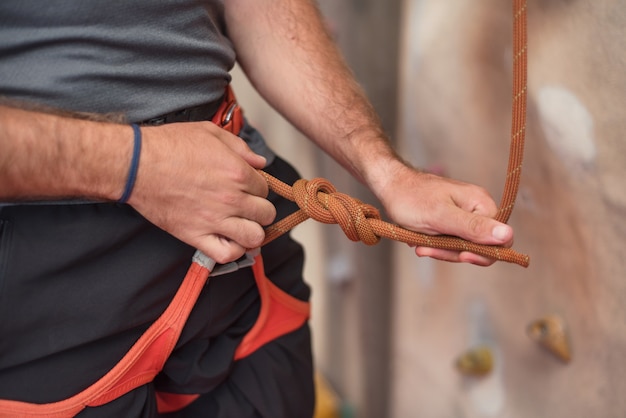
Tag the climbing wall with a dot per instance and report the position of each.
(570, 217)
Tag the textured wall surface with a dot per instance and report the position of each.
(570, 214)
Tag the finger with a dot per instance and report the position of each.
(479, 260)
(236, 180)
(258, 184)
(246, 233)
(266, 214)
(477, 228)
(252, 158)
(240, 147)
(443, 255)
(220, 248)
(453, 256)
(256, 209)
(481, 227)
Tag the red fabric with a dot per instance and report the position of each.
(172, 402)
(280, 314)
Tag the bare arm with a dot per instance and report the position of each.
(38, 162)
(195, 180)
(285, 50)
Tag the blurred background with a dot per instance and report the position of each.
(401, 337)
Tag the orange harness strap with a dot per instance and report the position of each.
(280, 314)
(142, 362)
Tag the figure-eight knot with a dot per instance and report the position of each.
(319, 200)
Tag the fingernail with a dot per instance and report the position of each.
(500, 232)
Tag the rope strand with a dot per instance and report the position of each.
(518, 113)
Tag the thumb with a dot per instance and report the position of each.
(479, 229)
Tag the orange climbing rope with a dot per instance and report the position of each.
(319, 200)
(518, 117)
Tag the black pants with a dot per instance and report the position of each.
(80, 283)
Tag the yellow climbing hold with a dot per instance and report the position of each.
(477, 361)
(550, 332)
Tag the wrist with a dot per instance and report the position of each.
(381, 168)
(134, 165)
(386, 174)
(95, 159)
(48, 156)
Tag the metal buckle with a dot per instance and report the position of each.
(228, 115)
(244, 261)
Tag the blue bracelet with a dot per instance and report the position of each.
(134, 165)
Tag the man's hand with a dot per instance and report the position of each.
(198, 182)
(435, 205)
(195, 180)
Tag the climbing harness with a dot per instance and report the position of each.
(281, 313)
(140, 364)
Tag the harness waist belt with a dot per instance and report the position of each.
(190, 114)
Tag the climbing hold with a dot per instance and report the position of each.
(477, 361)
(550, 333)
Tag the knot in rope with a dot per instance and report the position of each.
(319, 200)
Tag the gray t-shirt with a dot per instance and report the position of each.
(140, 58)
(136, 58)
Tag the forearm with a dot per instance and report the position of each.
(45, 156)
(286, 51)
